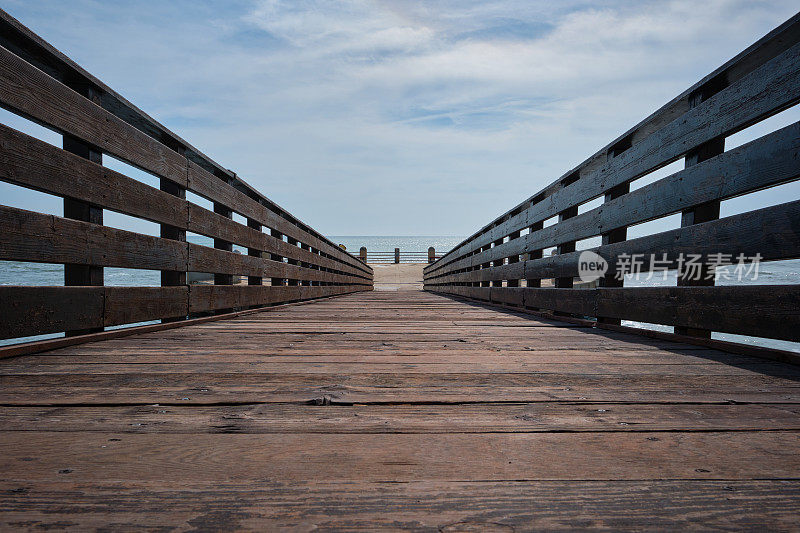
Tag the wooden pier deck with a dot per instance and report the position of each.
(398, 410)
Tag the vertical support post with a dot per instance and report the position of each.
(498, 262)
(534, 254)
(362, 254)
(486, 265)
(397, 255)
(703, 212)
(254, 252)
(513, 259)
(83, 275)
(277, 282)
(431, 254)
(173, 278)
(303, 264)
(566, 247)
(292, 282)
(220, 244)
(613, 236)
(697, 215)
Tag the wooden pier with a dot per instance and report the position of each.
(303, 389)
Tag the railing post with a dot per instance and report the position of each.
(701, 213)
(277, 282)
(362, 254)
(497, 262)
(254, 252)
(613, 236)
(292, 282)
(173, 278)
(220, 244)
(532, 255)
(303, 264)
(566, 247)
(486, 265)
(83, 275)
(397, 255)
(431, 254)
(513, 259)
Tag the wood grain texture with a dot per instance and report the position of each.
(35, 237)
(422, 506)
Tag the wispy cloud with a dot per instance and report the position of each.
(399, 117)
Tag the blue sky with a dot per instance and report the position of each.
(394, 117)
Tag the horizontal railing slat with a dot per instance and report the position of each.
(125, 305)
(36, 237)
(35, 164)
(210, 224)
(30, 311)
(756, 310)
(42, 310)
(205, 259)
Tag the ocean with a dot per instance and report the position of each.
(30, 274)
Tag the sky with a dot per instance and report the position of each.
(390, 117)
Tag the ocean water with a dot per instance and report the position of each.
(30, 274)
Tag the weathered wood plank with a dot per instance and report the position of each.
(466, 418)
(124, 305)
(380, 457)
(31, 236)
(37, 310)
(736, 309)
(417, 506)
(190, 388)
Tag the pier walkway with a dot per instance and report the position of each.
(401, 410)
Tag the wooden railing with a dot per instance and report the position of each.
(397, 256)
(286, 260)
(504, 263)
